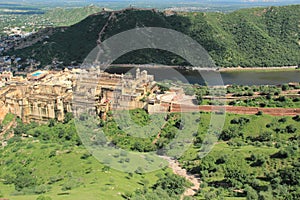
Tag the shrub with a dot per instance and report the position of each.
(85, 156)
(296, 118)
(291, 129)
(282, 120)
(24, 179)
(69, 185)
(280, 154)
(52, 154)
(43, 198)
(259, 113)
(285, 87)
(68, 117)
(41, 189)
(172, 184)
(54, 179)
(251, 193)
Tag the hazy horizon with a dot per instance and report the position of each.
(118, 4)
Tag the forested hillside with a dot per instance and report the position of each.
(67, 17)
(247, 38)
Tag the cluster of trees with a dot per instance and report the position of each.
(256, 164)
(169, 186)
(268, 101)
(54, 131)
(258, 96)
(128, 140)
(269, 96)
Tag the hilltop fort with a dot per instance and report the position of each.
(44, 95)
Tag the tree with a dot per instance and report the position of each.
(291, 129)
(290, 176)
(24, 179)
(43, 198)
(210, 195)
(285, 87)
(172, 184)
(264, 137)
(297, 118)
(199, 97)
(259, 113)
(251, 193)
(51, 122)
(265, 195)
(227, 134)
(68, 117)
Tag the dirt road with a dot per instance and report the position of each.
(238, 109)
(195, 180)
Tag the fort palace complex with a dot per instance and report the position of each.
(44, 95)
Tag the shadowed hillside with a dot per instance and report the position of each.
(248, 37)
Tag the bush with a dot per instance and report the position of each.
(259, 113)
(280, 154)
(285, 87)
(24, 179)
(41, 189)
(291, 129)
(85, 156)
(68, 117)
(172, 184)
(251, 193)
(52, 154)
(69, 185)
(54, 179)
(296, 118)
(43, 198)
(282, 120)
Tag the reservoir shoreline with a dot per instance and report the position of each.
(220, 69)
(255, 76)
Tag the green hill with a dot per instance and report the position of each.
(68, 17)
(247, 37)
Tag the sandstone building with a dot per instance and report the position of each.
(45, 95)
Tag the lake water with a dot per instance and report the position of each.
(239, 78)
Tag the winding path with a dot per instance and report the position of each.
(177, 169)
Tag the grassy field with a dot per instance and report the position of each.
(87, 178)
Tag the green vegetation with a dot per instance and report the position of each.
(71, 44)
(136, 136)
(31, 168)
(168, 186)
(283, 96)
(68, 17)
(48, 162)
(247, 37)
(37, 19)
(7, 119)
(265, 96)
(257, 157)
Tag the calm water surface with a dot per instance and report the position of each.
(239, 78)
